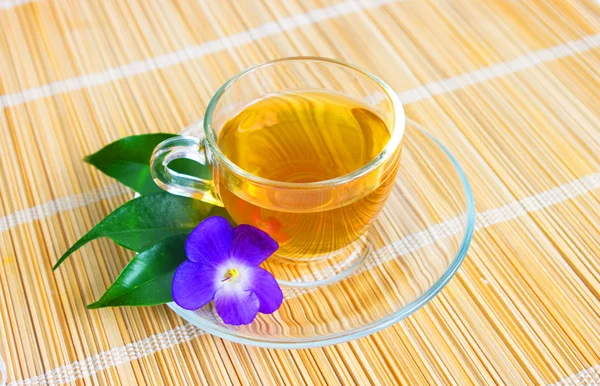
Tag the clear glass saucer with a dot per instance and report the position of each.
(417, 244)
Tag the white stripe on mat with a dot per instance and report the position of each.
(58, 205)
(501, 69)
(288, 23)
(7, 4)
(2, 372)
(191, 52)
(410, 96)
(164, 340)
(587, 377)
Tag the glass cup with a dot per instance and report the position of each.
(317, 224)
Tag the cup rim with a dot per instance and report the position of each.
(393, 143)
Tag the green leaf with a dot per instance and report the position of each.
(146, 280)
(143, 221)
(128, 161)
(191, 168)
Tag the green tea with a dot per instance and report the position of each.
(307, 137)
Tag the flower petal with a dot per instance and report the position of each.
(265, 287)
(194, 285)
(210, 242)
(236, 306)
(251, 245)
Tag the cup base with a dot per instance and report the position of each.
(319, 272)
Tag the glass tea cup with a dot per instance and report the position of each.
(320, 225)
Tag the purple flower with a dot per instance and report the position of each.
(223, 264)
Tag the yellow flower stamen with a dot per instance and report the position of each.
(231, 274)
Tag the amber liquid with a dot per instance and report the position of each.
(305, 137)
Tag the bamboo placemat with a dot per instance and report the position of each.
(512, 88)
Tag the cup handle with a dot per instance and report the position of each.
(180, 184)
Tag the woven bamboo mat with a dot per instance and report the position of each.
(512, 88)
